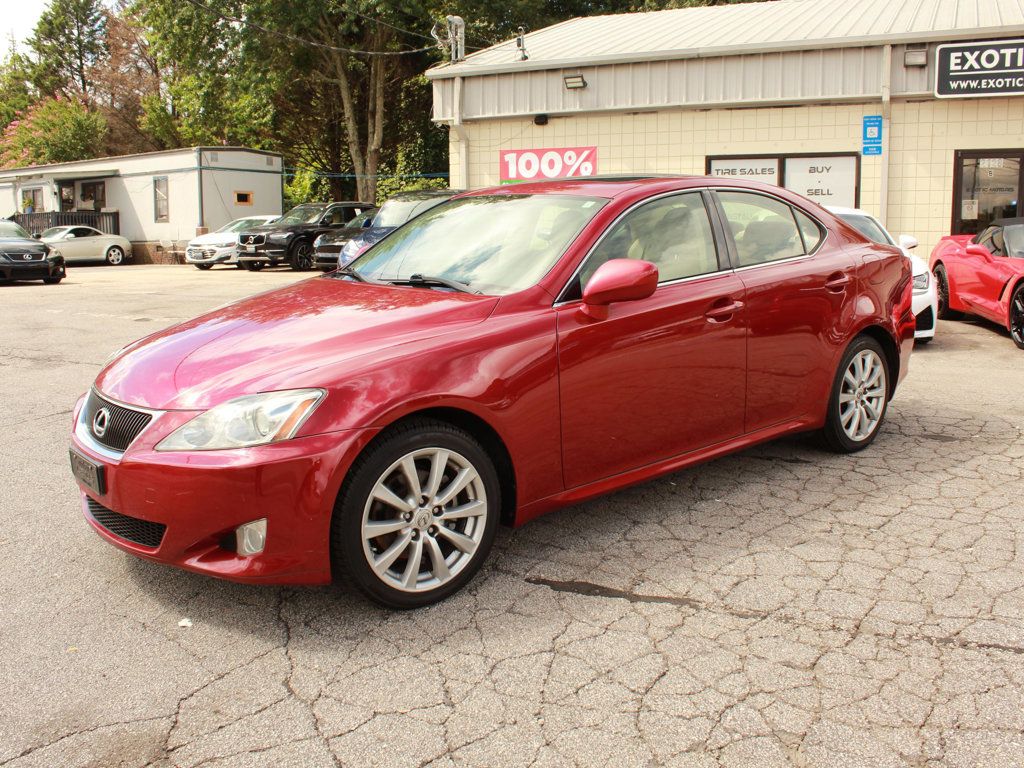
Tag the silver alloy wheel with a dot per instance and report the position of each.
(424, 519)
(862, 395)
(115, 255)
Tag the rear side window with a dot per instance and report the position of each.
(764, 228)
(810, 230)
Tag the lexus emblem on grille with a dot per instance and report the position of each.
(100, 422)
(251, 240)
(27, 256)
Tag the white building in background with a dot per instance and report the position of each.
(158, 200)
(912, 110)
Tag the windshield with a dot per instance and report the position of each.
(53, 232)
(12, 229)
(302, 214)
(494, 244)
(394, 213)
(868, 227)
(1013, 237)
(240, 224)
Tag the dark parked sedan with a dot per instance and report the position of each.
(329, 245)
(394, 213)
(23, 258)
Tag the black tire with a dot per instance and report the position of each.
(942, 287)
(203, 267)
(1017, 316)
(114, 256)
(254, 266)
(53, 280)
(301, 258)
(348, 557)
(239, 265)
(923, 340)
(833, 435)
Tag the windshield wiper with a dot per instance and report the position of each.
(358, 276)
(418, 279)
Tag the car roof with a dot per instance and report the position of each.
(626, 186)
(839, 210)
(1008, 222)
(425, 194)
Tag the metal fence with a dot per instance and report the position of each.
(108, 222)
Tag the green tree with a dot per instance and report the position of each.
(15, 94)
(67, 43)
(56, 130)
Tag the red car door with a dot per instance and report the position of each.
(796, 287)
(991, 276)
(663, 375)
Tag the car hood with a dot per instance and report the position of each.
(373, 234)
(20, 244)
(268, 229)
(918, 265)
(281, 340)
(342, 235)
(214, 238)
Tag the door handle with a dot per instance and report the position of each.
(837, 282)
(719, 313)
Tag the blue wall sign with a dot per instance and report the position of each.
(872, 135)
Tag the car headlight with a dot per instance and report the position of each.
(319, 241)
(245, 421)
(921, 282)
(54, 252)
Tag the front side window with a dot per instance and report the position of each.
(764, 228)
(161, 209)
(673, 233)
(494, 244)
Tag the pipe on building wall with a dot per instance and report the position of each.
(201, 224)
(461, 133)
(886, 90)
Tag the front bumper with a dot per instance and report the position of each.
(327, 259)
(201, 497)
(925, 306)
(211, 255)
(51, 266)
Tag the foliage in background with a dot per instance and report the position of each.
(69, 40)
(15, 92)
(55, 130)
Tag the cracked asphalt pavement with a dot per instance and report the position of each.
(783, 606)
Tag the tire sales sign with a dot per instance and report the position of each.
(964, 70)
(519, 165)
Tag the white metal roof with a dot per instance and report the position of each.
(745, 28)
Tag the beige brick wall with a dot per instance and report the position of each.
(923, 137)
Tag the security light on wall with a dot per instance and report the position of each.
(915, 57)
(574, 82)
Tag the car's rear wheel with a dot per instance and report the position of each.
(417, 515)
(302, 256)
(942, 288)
(1017, 316)
(859, 398)
(203, 266)
(114, 255)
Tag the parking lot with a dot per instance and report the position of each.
(784, 606)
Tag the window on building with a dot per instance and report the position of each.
(764, 228)
(32, 200)
(161, 209)
(243, 198)
(93, 196)
(673, 233)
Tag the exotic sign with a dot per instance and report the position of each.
(539, 164)
(995, 68)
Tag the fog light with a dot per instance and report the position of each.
(251, 537)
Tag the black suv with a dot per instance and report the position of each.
(291, 237)
(22, 258)
(327, 247)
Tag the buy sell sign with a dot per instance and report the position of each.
(551, 163)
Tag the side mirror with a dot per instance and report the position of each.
(618, 280)
(908, 241)
(978, 250)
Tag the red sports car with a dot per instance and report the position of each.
(511, 351)
(983, 275)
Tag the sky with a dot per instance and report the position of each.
(19, 18)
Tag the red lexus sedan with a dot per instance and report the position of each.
(509, 352)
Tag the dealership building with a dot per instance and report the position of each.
(911, 110)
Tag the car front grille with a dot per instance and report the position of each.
(244, 239)
(926, 320)
(120, 425)
(201, 253)
(142, 532)
(20, 256)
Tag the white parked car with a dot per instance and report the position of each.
(80, 243)
(926, 296)
(220, 247)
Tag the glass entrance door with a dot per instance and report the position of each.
(987, 186)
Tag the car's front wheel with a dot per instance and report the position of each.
(114, 256)
(942, 288)
(859, 398)
(417, 514)
(203, 266)
(302, 256)
(1017, 316)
